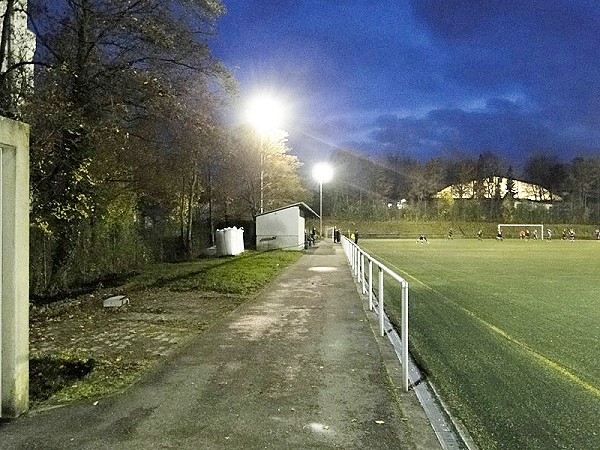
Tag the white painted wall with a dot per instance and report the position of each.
(14, 267)
(283, 229)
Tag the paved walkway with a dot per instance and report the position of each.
(299, 367)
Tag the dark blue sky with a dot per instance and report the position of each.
(423, 77)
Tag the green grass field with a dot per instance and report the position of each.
(509, 333)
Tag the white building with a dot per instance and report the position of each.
(497, 187)
(283, 228)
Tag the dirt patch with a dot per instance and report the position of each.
(79, 349)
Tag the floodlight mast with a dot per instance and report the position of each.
(323, 173)
(265, 114)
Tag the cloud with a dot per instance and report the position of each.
(547, 49)
(427, 77)
(502, 127)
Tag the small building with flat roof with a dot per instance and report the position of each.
(283, 228)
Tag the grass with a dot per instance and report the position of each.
(508, 332)
(242, 274)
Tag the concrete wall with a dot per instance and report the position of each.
(14, 267)
(283, 229)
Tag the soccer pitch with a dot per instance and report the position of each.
(509, 333)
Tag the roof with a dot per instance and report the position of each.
(492, 186)
(303, 206)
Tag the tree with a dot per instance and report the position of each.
(17, 45)
(114, 72)
(249, 155)
(426, 181)
(511, 188)
(584, 180)
(546, 172)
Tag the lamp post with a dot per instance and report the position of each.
(264, 113)
(323, 173)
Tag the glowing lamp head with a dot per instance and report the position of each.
(264, 113)
(323, 172)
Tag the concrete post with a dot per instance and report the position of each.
(14, 267)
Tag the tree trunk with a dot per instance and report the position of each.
(190, 215)
(5, 41)
(210, 209)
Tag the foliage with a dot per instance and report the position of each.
(118, 110)
(251, 153)
(101, 248)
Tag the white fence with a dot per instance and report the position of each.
(363, 266)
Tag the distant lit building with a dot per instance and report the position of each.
(497, 187)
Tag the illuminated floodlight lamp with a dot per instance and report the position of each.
(264, 113)
(323, 172)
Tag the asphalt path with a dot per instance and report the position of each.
(298, 367)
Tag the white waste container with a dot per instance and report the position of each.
(230, 241)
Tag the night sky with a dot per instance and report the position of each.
(423, 78)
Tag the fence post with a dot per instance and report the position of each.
(348, 252)
(380, 296)
(405, 336)
(370, 284)
(364, 286)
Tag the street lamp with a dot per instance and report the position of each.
(265, 114)
(323, 173)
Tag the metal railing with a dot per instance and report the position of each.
(363, 265)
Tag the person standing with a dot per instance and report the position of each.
(356, 237)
